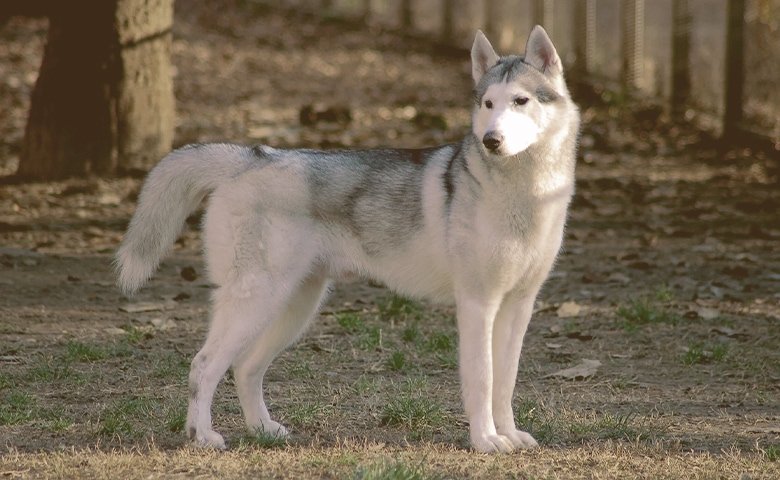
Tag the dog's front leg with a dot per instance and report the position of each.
(475, 331)
(508, 332)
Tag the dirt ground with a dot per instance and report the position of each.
(669, 279)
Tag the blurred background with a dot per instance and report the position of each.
(712, 64)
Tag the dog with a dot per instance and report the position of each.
(477, 223)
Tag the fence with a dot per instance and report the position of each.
(715, 61)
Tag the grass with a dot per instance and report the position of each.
(82, 352)
(772, 452)
(395, 470)
(400, 308)
(397, 362)
(370, 339)
(121, 417)
(263, 440)
(644, 311)
(306, 413)
(17, 408)
(550, 426)
(702, 353)
(414, 409)
(351, 322)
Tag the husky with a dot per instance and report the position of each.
(477, 223)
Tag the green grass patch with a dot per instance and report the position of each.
(401, 308)
(549, 426)
(440, 343)
(370, 339)
(397, 470)
(300, 369)
(264, 440)
(701, 353)
(121, 417)
(610, 426)
(397, 362)
(645, 312)
(350, 321)
(135, 335)
(307, 413)
(17, 408)
(411, 333)
(539, 422)
(82, 352)
(171, 366)
(413, 409)
(772, 453)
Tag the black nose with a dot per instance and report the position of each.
(492, 140)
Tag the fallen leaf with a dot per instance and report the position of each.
(554, 346)
(144, 307)
(569, 309)
(618, 277)
(162, 323)
(586, 369)
(115, 331)
(707, 313)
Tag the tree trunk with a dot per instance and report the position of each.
(103, 101)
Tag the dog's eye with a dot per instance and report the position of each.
(521, 101)
(488, 104)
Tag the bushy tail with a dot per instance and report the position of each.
(173, 190)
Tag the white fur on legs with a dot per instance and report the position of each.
(237, 320)
(508, 332)
(250, 367)
(475, 322)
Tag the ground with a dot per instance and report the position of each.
(668, 281)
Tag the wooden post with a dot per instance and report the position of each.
(367, 11)
(584, 27)
(447, 20)
(735, 68)
(406, 15)
(633, 13)
(681, 47)
(543, 14)
(490, 19)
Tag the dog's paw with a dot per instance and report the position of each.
(520, 439)
(492, 444)
(208, 439)
(270, 427)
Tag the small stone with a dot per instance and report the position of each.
(189, 274)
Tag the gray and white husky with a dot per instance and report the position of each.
(477, 223)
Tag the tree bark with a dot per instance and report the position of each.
(103, 101)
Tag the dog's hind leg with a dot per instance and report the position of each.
(250, 367)
(242, 310)
(508, 332)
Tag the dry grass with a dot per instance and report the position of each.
(375, 460)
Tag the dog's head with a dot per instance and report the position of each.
(517, 98)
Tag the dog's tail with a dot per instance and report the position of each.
(173, 190)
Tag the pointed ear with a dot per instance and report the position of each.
(482, 56)
(540, 53)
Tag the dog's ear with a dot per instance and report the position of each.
(540, 53)
(482, 56)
